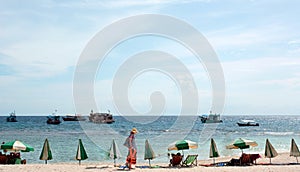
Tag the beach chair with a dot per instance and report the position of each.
(17, 160)
(190, 161)
(176, 160)
(249, 159)
(3, 159)
(245, 159)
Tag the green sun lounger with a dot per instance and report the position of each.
(190, 161)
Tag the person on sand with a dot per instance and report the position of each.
(132, 149)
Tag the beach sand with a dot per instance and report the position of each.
(280, 163)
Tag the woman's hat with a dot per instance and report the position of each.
(134, 130)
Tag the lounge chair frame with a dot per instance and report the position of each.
(190, 160)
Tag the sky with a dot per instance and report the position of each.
(257, 44)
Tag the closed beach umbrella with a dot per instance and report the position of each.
(149, 153)
(46, 152)
(242, 144)
(114, 152)
(213, 153)
(81, 154)
(17, 146)
(270, 152)
(294, 150)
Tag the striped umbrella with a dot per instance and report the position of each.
(46, 152)
(81, 153)
(270, 152)
(17, 146)
(182, 145)
(294, 150)
(114, 152)
(213, 153)
(149, 153)
(242, 144)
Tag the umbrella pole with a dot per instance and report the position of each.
(149, 163)
(79, 162)
(270, 161)
(45, 161)
(297, 159)
(115, 162)
(213, 160)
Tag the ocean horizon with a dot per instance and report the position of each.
(159, 130)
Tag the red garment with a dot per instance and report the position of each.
(130, 144)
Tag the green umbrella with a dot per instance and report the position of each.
(17, 146)
(149, 153)
(213, 153)
(241, 144)
(46, 152)
(294, 150)
(183, 144)
(114, 152)
(270, 151)
(81, 154)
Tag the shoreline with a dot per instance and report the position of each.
(283, 162)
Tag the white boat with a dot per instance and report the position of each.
(101, 118)
(244, 123)
(211, 118)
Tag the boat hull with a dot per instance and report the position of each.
(73, 119)
(246, 125)
(53, 122)
(11, 119)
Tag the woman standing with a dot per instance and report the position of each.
(132, 149)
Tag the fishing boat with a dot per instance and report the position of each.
(73, 118)
(211, 118)
(101, 118)
(12, 117)
(53, 119)
(244, 123)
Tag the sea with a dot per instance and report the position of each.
(160, 131)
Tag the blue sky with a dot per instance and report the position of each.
(257, 43)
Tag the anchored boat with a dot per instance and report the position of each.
(211, 118)
(102, 118)
(12, 117)
(244, 123)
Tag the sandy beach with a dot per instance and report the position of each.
(283, 162)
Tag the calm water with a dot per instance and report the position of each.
(160, 131)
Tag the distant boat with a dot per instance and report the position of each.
(244, 123)
(73, 118)
(211, 118)
(53, 119)
(12, 117)
(101, 118)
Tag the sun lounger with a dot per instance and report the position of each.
(249, 159)
(3, 159)
(176, 160)
(190, 161)
(245, 159)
